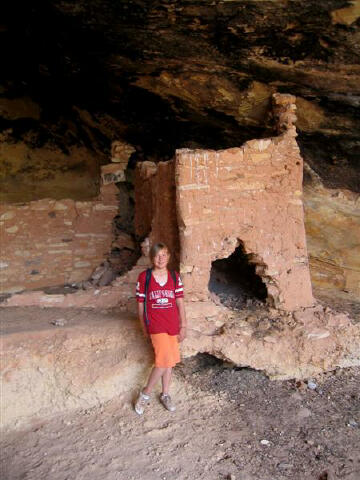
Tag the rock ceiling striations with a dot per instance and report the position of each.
(168, 74)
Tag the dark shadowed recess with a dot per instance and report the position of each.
(335, 160)
(235, 282)
(60, 63)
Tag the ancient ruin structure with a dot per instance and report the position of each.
(205, 205)
(249, 196)
(52, 242)
(49, 242)
(225, 215)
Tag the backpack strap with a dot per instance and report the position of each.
(173, 276)
(147, 283)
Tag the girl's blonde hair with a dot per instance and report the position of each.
(155, 249)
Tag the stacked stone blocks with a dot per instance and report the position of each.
(49, 242)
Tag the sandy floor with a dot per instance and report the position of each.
(223, 416)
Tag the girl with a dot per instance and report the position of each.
(163, 319)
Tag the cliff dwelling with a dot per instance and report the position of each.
(228, 130)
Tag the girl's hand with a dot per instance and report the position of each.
(182, 334)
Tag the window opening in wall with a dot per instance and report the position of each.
(234, 281)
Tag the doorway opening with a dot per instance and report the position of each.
(235, 282)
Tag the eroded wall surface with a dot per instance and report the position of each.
(54, 242)
(156, 211)
(252, 196)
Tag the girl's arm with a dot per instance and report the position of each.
(141, 318)
(183, 324)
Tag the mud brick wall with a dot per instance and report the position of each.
(49, 242)
(251, 196)
(155, 198)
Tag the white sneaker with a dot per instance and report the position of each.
(141, 403)
(165, 399)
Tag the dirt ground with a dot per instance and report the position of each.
(230, 423)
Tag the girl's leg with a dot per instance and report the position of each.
(166, 379)
(155, 375)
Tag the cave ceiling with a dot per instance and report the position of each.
(169, 74)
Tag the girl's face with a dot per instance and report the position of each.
(161, 259)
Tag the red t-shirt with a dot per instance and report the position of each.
(162, 311)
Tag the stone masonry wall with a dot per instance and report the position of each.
(49, 242)
(250, 195)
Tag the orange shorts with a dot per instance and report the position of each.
(166, 348)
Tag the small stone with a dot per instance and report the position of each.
(59, 322)
(312, 385)
(352, 423)
(264, 324)
(86, 285)
(264, 442)
(7, 215)
(98, 272)
(13, 229)
(60, 206)
(107, 278)
(82, 264)
(15, 289)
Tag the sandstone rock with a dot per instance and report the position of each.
(347, 15)
(121, 151)
(59, 322)
(20, 108)
(86, 285)
(99, 272)
(108, 276)
(113, 173)
(82, 364)
(333, 232)
(123, 240)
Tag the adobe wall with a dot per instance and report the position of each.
(251, 196)
(155, 199)
(53, 242)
